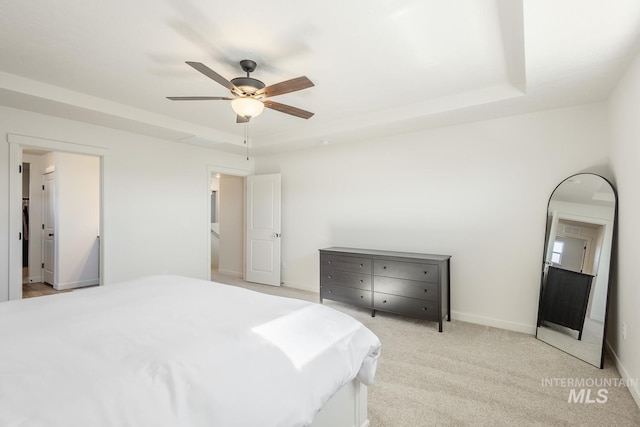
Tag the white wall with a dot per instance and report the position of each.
(478, 192)
(155, 196)
(77, 180)
(624, 106)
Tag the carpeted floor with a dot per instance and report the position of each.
(478, 376)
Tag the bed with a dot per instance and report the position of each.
(174, 351)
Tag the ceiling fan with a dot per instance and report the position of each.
(251, 94)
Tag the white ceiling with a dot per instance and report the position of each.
(585, 189)
(380, 67)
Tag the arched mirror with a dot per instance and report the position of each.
(572, 312)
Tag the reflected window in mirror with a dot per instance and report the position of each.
(556, 255)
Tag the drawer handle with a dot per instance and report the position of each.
(361, 265)
(362, 296)
(361, 281)
(425, 272)
(425, 291)
(330, 291)
(384, 302)
(384, 267)
(330, 277)
(424, 308)
(330, 262)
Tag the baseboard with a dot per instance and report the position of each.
(495, 323)
(632, 383)
(34, 279)
(300, 286)
(80, 284)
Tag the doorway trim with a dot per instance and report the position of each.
(211, 169)
(16, 144)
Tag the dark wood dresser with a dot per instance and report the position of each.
(565, 297)
(410, 284)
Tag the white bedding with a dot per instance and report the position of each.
(173, 351)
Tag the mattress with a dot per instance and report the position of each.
(175, 351)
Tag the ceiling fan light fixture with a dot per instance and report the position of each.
(247, 106)
(251, 95)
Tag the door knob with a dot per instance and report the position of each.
(277, 234)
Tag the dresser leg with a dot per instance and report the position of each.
(440, 325)
(373, 313)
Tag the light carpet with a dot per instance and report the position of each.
(477, 376)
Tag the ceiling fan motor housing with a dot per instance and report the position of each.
(248, 85)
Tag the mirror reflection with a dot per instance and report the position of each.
(575, 278)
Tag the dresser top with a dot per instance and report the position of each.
(375, 252)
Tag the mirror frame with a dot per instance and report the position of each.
(610, 273)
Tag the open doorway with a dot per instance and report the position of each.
(245, 240)
(577, 246)
(227, 225)
(77, 256)
(61, 221)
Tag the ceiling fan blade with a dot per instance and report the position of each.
(288, 109)
(242, 119)
(214, 76)
(199, 98)
(286, 87)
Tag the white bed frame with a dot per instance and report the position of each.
(346, 408)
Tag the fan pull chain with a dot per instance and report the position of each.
(246, 137)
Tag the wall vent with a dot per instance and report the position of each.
(575, 231)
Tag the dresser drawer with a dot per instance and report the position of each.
(406, 306)
(408, 288)
(331, 277)
(406, 270)
(345, 263)
(349, 295)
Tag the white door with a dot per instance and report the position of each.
(262, 263)
(48, 235)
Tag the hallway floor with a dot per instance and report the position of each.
(30, 290)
